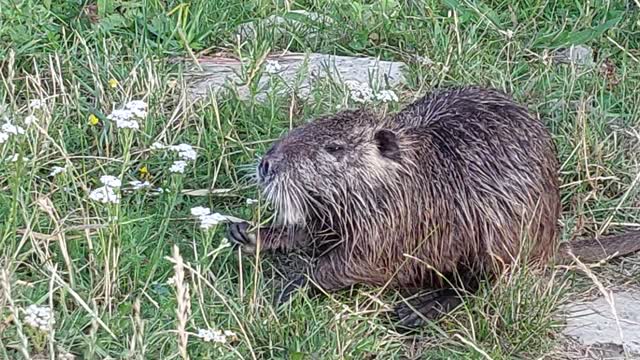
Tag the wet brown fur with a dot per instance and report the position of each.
(461, 179)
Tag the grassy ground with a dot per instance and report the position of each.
(112, 272)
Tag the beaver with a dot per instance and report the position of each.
(459, 184)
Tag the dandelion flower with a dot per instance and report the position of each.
(30, 120)
(178, 166)
(113, 83)
(200, 211)
(104, 194)
(272, 67)
(39, 317)
(144, 171)
(93, 120)
(57, 170)
(110, 181)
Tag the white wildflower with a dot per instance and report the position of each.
(178, 166)
(200, 211)
(207, 221)
(217, 336)
(359, 92)
(11, 129)
(387, 96)
(171, 281)
(251, 201)
(3, 137)
(124, 119)
(104, 195)
(224, 243)
(138, 107)
(157, 146)
(272, 67)
(16, 157)
(57, 170)
(36, 104)
(110, 181)
(39, 317)
(424, 60)
(137, 184)
(136, 104)
(30, 120)
(185, 151)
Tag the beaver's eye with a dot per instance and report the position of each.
(334, 148)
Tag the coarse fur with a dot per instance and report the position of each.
(462, 181)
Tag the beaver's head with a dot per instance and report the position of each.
(312, 168)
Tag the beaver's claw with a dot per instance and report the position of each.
(239, 235)
(297, 282)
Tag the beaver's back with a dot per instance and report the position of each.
(480, 177)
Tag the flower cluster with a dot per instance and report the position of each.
(185, 152)
(126, 117)
(37, 104)
(57, 170)
(106, 194)
(207, 219)
(39, 317)
(137, 184)
(362, 93)
(218, 336)
(8, 129)
(16, 157)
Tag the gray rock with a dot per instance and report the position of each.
(592, 323)
(298, 71)
(579, 55)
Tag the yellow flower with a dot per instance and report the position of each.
(144, 172)
(113, 83)
(93, 120)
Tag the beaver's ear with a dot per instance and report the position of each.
(387, 143)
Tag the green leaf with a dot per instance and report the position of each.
(569, 37)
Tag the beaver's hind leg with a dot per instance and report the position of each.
(426, 306)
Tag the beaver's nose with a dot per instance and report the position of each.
(264, 167)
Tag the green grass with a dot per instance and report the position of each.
(96, 262)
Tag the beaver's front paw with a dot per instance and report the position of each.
(239, 235)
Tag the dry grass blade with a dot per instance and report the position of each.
(184, 302)
(5, 284)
